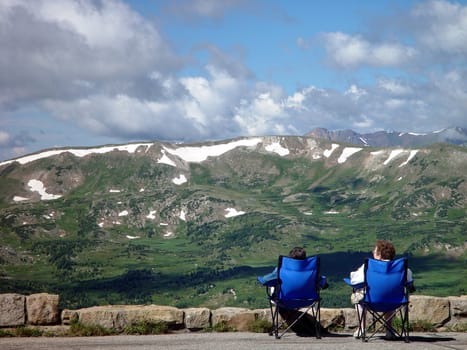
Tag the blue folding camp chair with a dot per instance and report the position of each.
(296, 292)
(386, 296)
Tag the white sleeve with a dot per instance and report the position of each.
(409, 276)
(357, 276)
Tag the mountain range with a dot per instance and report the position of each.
(194, 224)
(455, 135)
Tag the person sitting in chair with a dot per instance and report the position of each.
(306, 325)
(385, 251)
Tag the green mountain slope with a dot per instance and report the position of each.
(195, 224)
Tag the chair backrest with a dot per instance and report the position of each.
(299, 280)
(385, 283)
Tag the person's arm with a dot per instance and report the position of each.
(410, 285)
(270, 279)
(358, 276)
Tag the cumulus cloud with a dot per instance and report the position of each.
(68, 49)
(437, 31)
(349, 51)
(440, 26)
(202, 111)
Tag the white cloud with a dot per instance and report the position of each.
(265, 112)
(441, 26)
(355, 92)
(395, 87)
(349, 51)
(69, 49)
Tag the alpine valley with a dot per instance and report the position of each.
(194, 224)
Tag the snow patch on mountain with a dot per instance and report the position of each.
(192, 154)
(38, 186)
(166, 160)
(231, 212)
(130, 148)
(276, 147)
(327, 153)
(346, 153)
(393, 155)
(179, 180)
(411, 155)
(151, 215)
(132, 237)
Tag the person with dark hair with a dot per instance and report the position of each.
(298, 253)
(385, 251)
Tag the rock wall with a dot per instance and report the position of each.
(449, 313)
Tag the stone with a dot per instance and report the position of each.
(42, 309)
(333, 318)
(237, 318)
(69, 316)
(458, 306)
(434, 310)
(119, 316)
(12, 311)
(350, 318)
(263, 314)
(458, 312)
(197, 318)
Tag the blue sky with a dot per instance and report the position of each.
(89, 72)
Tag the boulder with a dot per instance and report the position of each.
(350, 317)
(333, 318)
(197, 318)
(237, 318)
(458, 312)
(42, 309)
(119, 316)
(12, 311)
(433, 310)
(458, 306)
(263, 314)
(69, 316)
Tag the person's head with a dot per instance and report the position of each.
(298, 253)
(384, 250)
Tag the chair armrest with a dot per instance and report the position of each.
(266, 282)
(355, 286)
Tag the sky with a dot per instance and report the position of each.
(94, 72)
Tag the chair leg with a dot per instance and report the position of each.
(318, 321)
(405, 323)
(383, 320)
(361, 317)
(292, 321)
(275, 322)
